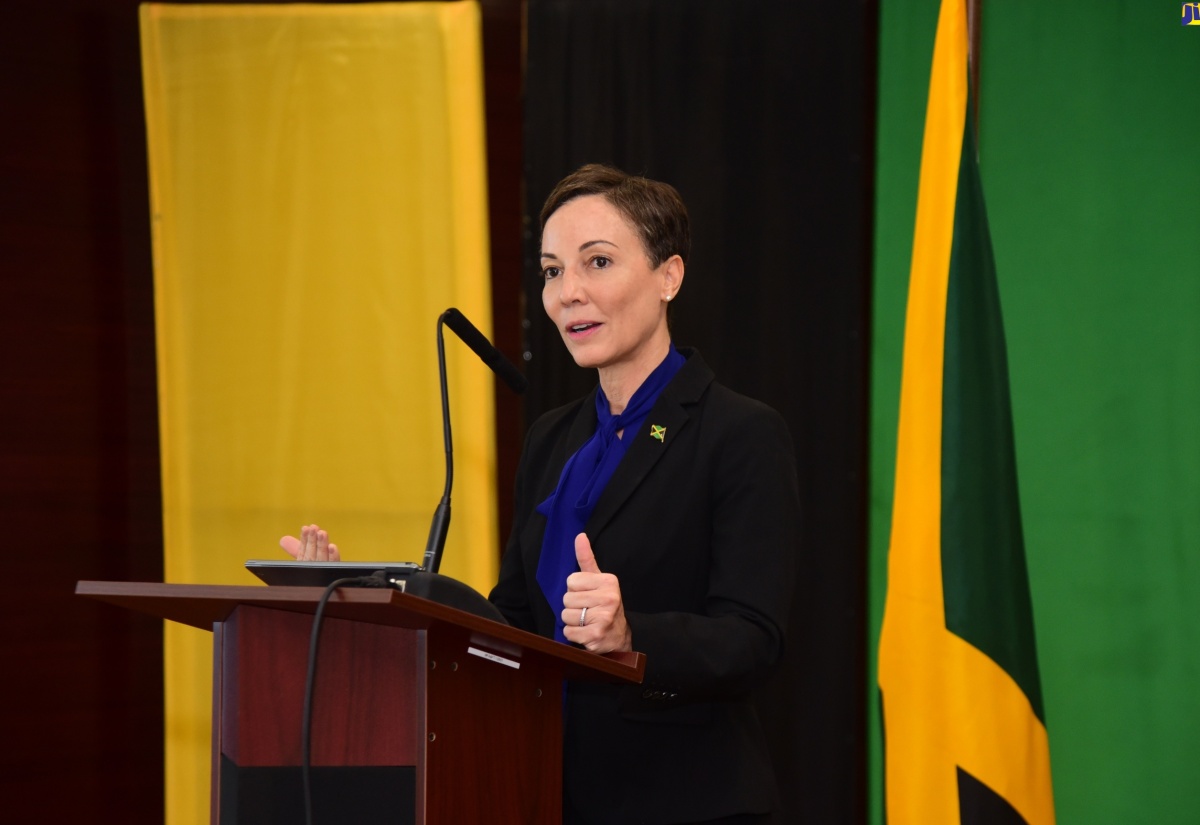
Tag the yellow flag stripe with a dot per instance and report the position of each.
(914, 569)
(1005, 747)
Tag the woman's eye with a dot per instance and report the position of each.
(550, 272)
(601, 261)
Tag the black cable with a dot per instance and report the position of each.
(377, 579)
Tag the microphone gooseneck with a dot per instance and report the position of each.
(500, 365)
(441, 516)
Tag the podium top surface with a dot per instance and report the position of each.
(203, 605)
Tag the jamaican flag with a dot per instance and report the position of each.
(964, 723)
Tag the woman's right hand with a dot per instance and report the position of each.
(313, 545)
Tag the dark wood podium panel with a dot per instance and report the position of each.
(422, 713)
(521, 774)
(366, 701)
(363, 697)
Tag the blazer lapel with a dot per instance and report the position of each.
(670, 412)
(581, 429)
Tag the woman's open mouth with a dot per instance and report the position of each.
(582, 330)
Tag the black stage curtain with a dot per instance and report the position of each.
(761, 112)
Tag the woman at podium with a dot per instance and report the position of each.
(659, 513)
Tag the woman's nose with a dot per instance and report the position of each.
(572, 288)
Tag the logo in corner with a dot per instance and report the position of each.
(1191, 14)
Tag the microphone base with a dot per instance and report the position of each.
(452, 593)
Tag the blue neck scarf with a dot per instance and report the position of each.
(583, 479)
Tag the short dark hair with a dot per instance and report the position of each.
(654, 208)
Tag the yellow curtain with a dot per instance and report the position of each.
(318, 198)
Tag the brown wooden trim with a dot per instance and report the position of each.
(203, 605)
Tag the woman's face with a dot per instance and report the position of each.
(600, 290)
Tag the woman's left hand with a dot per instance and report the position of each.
(602, 628)
(313, 545)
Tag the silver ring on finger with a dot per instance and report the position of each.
(583, 617)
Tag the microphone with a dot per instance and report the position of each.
(500, 365)
(487, 353)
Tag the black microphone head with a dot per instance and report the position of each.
(473, 338)
(511, 375)
(468, 332)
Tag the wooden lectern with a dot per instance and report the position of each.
(422, 713)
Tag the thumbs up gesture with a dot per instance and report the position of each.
(593, 613)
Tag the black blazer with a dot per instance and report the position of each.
(702, 531)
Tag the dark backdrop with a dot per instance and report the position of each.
(761, 112)
(81, 703)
